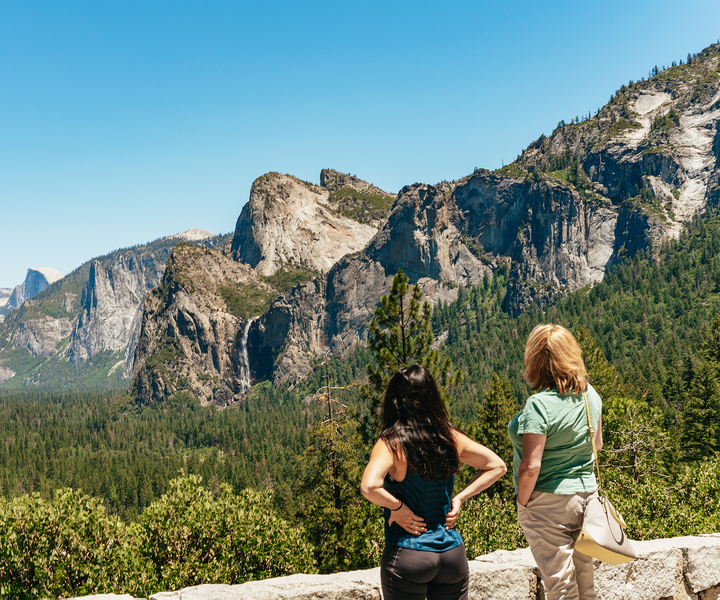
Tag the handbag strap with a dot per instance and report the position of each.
(592, 439)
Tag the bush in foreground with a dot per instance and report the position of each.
(191, 537)
(69, 546)
(66, 546)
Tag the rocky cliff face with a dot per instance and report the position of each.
(442, 239)
(331, 312)
(290, 222)
(111, 305)
(556, 239)
(655, 144)
(254, 323)
(571, 206)
(195, 327)
(650, 156)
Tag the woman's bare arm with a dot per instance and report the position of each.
(381, 462)
(491, 468)
(533, 446)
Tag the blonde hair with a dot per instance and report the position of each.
(553, 359)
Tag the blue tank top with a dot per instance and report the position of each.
(430, 500)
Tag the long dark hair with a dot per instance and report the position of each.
(416, 421)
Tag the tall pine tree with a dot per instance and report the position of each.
(400, 334)
(498, 407)
(339, 522)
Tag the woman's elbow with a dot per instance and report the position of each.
(364, 489)
(367, 489)
(528, 471)
(500, 468)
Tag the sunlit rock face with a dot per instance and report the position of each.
(289, 221)
(111, 306)
(194, 335)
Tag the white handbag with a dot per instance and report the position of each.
(603, 531)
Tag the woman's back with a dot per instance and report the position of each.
(567, 460)
(431, 500)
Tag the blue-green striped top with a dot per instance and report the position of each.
(430, 500)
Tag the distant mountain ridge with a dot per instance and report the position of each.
(81, 330)
(36, 280)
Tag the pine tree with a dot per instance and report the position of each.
(332, 504)
(634, 438)
(400, 334)
(700, 418)
(711, 344)
(632, 434)
(498, 407)
(341, 526)
(601, 374)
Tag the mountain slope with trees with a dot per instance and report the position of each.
(81, 331)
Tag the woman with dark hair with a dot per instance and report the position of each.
(553, 460)
(411, 474)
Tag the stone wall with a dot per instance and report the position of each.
(683, 568)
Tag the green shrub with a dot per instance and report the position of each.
(288, 276)
(245, 301)
(191, 537)
(687, 504)
(621, 126)
(489, 523)
(362, 206)
(67, 546)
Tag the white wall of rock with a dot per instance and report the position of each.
(682, 568)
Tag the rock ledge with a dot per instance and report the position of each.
(682, 568)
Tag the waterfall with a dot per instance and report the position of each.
(244, 361)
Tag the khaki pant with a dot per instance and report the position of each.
(551, 524)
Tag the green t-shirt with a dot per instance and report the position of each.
(567, 460)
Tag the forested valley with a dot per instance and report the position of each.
(169, 490)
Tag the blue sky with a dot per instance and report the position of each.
(122, 122)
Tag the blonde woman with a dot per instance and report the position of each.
(553, 460)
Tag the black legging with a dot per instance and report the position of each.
(417, 574)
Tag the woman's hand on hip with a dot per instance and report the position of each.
(454, 513)
(408, 520)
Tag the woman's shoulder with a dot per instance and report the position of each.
(539, 405)
(543, 398)
(592, 393)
